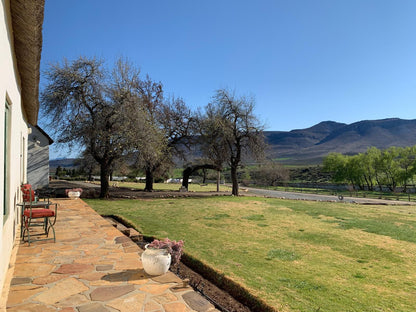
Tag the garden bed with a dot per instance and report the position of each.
(220, 298)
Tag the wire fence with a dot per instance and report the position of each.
(409, 195)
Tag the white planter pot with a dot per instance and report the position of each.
(74, 195)
(156, 261)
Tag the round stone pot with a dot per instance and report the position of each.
(74, 195)
(156, 261)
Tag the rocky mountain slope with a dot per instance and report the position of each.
(309, 146)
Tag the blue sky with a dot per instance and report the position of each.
(304, 61)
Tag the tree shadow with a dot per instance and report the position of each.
(125, 276)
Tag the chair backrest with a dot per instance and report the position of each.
(28, 193)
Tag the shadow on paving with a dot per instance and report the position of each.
(90, 268)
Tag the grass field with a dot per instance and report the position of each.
(175, 187)
(295, 255)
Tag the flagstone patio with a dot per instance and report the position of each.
(92, 267)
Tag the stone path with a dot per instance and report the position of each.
(92, 267)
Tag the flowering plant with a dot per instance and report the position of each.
(175, 248)
(73, 190)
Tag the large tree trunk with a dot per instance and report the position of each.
(185, 176)
(234, 180)
(149, 180)
(204, 176)
(218, 180)
(104, 174)
(90, 175)
(191, 169)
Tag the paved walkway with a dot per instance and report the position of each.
(92, 267)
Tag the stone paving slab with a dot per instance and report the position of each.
(92, 267)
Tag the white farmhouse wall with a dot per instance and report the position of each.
(17, 151)
(38, 159)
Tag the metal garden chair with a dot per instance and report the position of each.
(37, 213)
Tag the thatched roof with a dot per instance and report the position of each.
(27, 20)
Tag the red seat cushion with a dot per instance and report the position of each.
(39, 213)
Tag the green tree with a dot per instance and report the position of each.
(407, 164)
(391, 168)
(354, 171)
(368, 163)
(58, 171)
(335, 164)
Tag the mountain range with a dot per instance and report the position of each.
(309, 146)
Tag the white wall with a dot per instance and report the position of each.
(38, 159)
(17, 153)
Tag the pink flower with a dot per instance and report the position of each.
(73, 190)
(175, 248)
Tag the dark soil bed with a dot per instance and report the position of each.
(220, 298)
(57, 189)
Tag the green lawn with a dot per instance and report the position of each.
(295, 255)
(176, 186)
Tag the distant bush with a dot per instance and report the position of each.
(269, 174)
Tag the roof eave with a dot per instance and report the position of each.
(27, 21)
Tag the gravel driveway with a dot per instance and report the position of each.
(315, 197)
(247, 191)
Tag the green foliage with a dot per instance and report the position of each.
(392, 167)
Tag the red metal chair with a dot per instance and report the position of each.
(37, 213)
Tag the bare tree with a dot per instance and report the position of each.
(88, 164)
(208, 140)
(178, 123)
(166, 130)
(150, 146)
(151, 153)
(231, 131)
(90, 107)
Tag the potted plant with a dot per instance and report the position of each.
(74, 193)
(159, 255)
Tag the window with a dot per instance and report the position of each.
(22, 159)
(6, 149)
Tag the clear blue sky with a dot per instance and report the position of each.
(304, 61)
